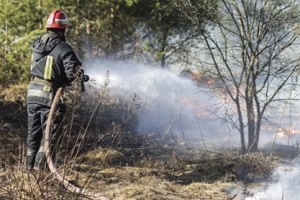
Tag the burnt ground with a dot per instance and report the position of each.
(108, 157)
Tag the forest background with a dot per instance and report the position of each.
(124, 29)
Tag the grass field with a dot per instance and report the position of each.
(105, 156)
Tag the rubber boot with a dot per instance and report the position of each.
(30, 160)
(40, 160)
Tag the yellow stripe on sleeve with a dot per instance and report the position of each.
(48, 68)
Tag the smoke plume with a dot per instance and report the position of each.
(170, 104)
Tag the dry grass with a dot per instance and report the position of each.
(116, 161)
(156, 179)
(14, 93)
(17, 183)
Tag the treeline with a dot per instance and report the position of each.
(153, 31)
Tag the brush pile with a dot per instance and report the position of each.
(226, 168)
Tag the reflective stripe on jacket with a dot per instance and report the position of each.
(39, 93)
(54, 64)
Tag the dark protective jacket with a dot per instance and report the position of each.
(54, 64)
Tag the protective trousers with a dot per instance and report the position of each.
(37, 119)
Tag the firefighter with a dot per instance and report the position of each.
(54, 64)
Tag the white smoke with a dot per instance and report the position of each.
(170, 104)
(287, 186)
(175, 105)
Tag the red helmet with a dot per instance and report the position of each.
(57, 19)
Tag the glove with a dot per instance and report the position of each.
(85, 78)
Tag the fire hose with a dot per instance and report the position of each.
(69, 186)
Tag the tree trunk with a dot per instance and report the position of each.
(257, 131)
(251, 96)
(89, 42)
(162, 52)
(241, 126)
(252, 140)
(251, 123)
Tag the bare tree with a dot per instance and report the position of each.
(252, 47)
